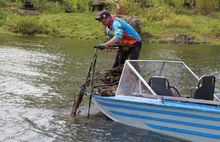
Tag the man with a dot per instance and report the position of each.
(123, 35)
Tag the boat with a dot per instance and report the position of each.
(172, 109)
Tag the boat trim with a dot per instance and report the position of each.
(184, 105)
(184, 131)
(164, 120)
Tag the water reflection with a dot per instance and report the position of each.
(40, 76)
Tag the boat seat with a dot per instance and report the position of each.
(205, 89)
(161, 86)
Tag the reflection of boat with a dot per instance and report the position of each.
(138, 104)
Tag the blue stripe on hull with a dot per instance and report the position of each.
(166, 120)
(171, 129)
(172, 113)
(184, 131)
(165, 103)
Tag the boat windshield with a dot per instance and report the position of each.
(137, 73)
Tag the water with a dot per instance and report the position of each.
(40, 76)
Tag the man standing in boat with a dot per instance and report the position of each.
(121, 34)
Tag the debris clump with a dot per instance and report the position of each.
(106, 82)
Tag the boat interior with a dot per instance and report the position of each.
(172, 80)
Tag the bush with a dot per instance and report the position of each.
(30, 26)
(25, 25)
(47, 6)
(76, 5)
(205, 6)
(48, 27)
(3, 3)
(213, 28)
(3, 16)
(43, 5)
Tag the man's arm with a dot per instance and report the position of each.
(111, 42)
(117, 27)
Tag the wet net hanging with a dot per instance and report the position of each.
(136, 75)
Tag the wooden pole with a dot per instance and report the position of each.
(92, 82)
(83, 87)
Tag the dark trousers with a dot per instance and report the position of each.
(123, 54)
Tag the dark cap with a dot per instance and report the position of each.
(102, 15)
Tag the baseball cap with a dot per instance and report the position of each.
(102, 15)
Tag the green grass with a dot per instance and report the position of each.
(80, 25)
(158, 20)
(203, 27)
(74, 25)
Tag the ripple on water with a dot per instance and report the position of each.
(35, 86)
(21, 72)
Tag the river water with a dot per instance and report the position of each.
(39, 77)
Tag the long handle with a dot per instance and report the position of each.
(92, 81)
(78, 101)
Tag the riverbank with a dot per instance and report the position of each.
(159, 25)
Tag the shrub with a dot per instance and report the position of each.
(48, 27)
(76, 5)
(3, 3)
(205, 6)
(43, 5)
(29, 25)
(3, 16)
(213, 28)
(25, 25)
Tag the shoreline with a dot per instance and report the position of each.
(152, 39)
(155, 39)
(160, 24)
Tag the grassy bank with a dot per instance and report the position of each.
(160, 23)
(164, 23)
(80, 25)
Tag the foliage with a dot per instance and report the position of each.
(76, 5)
(164, 20)
(3, 16)
(4, 3)
(206, 6)
(213, 27)
(163, 17)
(47, 6)
(178, 21)
(29, 25)
(81, 25)
(184, 11)
(159, 13)
(201, 6)
(25, 25)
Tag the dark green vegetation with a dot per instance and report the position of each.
(162, 20)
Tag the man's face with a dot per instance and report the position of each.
(106, 21)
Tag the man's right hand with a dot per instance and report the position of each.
(100, 46)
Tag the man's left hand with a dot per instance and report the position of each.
(100, 46)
